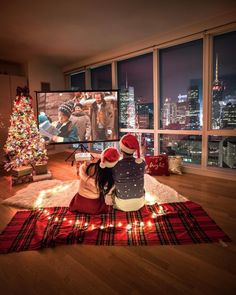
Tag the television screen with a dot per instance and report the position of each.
(78, 117)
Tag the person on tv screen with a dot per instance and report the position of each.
(102, 118)
(82, 122)
(67, 132)
(78, 97)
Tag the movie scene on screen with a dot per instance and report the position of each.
(78, 117)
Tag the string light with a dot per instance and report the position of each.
(129, 227)
(102, 227)
(154, 215)
(141, 223)
(119, 224)
(149, 223)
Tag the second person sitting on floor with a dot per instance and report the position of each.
(128, 176)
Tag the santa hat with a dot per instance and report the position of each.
(67, 108)
(129, 144)
(109, 157)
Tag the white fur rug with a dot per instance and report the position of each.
(57, 193)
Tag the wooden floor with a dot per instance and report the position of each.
(194, 269)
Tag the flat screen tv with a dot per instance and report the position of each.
(78, 117)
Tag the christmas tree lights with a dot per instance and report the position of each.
(24, 145)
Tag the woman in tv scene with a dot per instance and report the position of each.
(67, 131)
(96, 183)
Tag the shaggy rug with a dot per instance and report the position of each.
(57, 193)
(167, 224)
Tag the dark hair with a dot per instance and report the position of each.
(79, 105)
(103, 177)
(127, 154)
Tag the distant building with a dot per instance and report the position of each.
(127, 104)
(145, 115)
(169, 113)
(218, 90)
(194, 108)
(228, 116)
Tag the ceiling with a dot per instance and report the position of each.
(64, 32)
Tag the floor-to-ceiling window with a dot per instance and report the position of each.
(222, 146)
(135, 82)
(101, 78)
(180, 69)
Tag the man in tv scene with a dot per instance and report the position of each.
(102, 118)
(82, 121)
(67, 131)
(128, 175)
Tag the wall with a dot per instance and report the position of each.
(41, 71)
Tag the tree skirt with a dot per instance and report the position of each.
(57, 193)
(167, 224)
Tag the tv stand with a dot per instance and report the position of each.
(82, 148)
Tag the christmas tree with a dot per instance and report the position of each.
(24, 145)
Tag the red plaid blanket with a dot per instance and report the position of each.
(166, 224)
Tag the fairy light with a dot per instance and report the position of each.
(102, 227)
(154, 215)
(56, 219)
(64, 218)
(86, 224)
(129, 227)
(119, 224)
(141, 223)
(111, 225)
(92, 226)
(149, 223)
(49, 217)
(70, 221)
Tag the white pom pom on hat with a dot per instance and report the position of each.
(109, 158)
(129, 144)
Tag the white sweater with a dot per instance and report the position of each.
(87, 186)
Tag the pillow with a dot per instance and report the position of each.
(157, 165)
(175, 164)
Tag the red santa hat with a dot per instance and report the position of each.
(109, 157)
(129, 144)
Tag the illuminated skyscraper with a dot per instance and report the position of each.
(145, 115)
(127, 107)
(217, 98)
(194, 108)
(228, 116)
(169, 113)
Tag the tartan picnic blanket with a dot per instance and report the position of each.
(166, 224)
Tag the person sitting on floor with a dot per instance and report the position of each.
(128, 177)
(95, 183)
